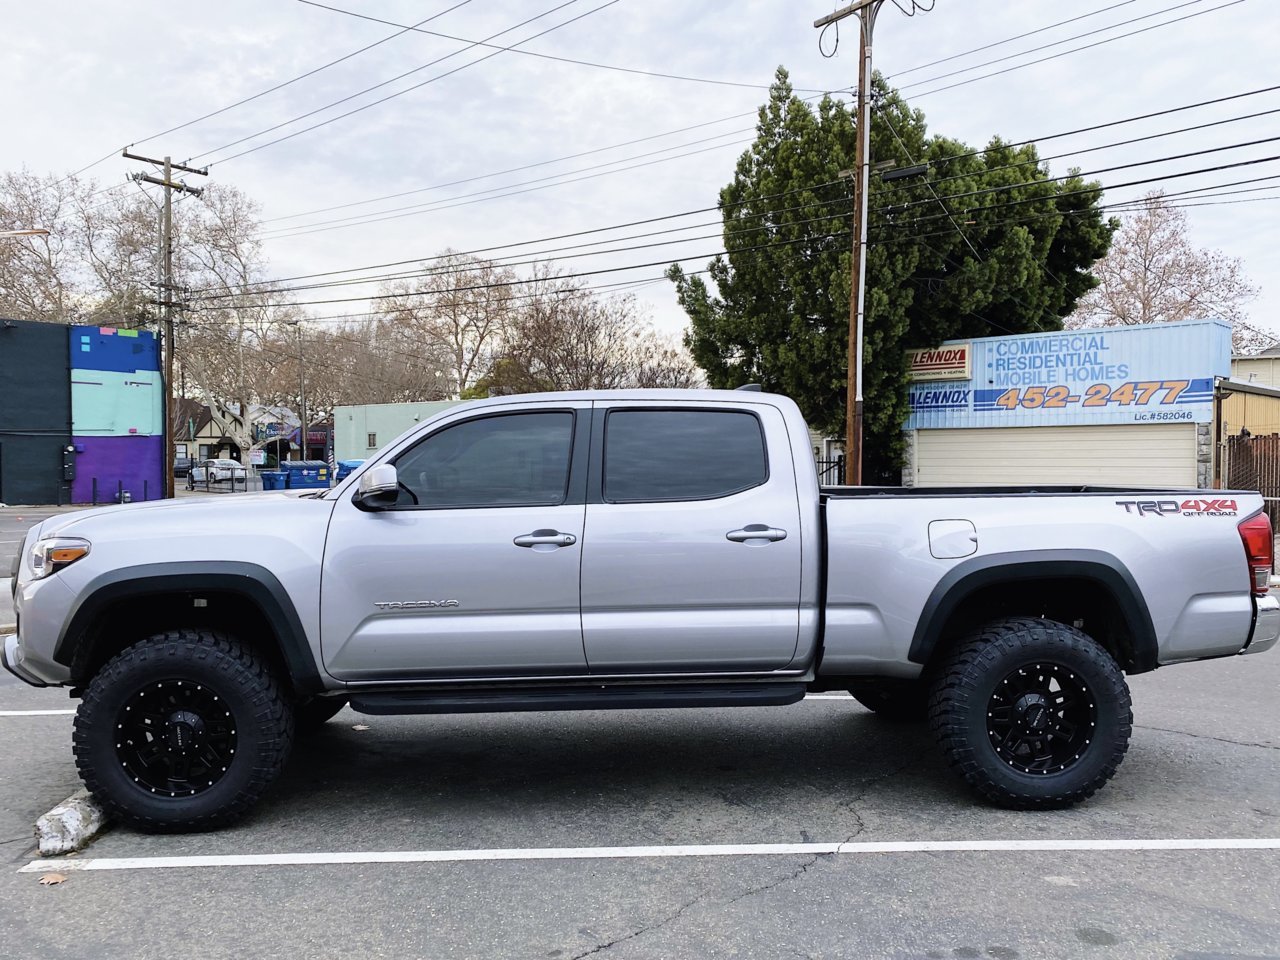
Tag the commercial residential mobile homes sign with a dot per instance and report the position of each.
(1144, 374)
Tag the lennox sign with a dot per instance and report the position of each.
(948, 362)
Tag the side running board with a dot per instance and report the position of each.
(594, 697)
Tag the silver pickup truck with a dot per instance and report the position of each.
(624, 549)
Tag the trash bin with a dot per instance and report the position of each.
(273, 479)
(345, 468)
(306, 474)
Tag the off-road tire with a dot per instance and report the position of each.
(902, 701)
(260, 715)
(994, 655)
(310, 714)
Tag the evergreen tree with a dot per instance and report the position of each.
(984, 244)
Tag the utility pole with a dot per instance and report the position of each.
(167, 289)
(302, 393)
(866, 11)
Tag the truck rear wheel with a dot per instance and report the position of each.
(182, 731)
(903, 701)
(1033, 714)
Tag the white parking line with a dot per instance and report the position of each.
(36, 713)
(655, 852)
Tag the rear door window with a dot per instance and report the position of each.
(661, 455)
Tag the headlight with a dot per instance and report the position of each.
(51, 555)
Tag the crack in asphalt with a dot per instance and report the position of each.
(860, 826)
(1205, 736)
(803, 868)
(670, 918)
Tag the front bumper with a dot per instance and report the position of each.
(1266, 625)
(11, 655)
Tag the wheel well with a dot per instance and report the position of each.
(125, 621)
(1084, 603)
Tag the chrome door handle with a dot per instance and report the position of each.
(755, 533)
(550, 538)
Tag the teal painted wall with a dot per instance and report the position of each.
(106, 403)
(386, 421)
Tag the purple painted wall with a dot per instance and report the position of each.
(132, 460)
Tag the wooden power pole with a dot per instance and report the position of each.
(168, 290)
(866, 11)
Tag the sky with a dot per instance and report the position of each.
(81, 85)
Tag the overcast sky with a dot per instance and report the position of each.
(99, 75)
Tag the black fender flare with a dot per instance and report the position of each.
(1095, 566)
(249, 580)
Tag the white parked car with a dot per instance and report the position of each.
(215, 471)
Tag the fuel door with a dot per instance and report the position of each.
(952, 539)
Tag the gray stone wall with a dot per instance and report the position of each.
(1204, 455)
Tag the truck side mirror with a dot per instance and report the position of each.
(379, 488)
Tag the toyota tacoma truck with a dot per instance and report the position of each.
(632, 549)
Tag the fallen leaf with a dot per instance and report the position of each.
(361, 726)
(50, 879)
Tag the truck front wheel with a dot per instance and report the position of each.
(1033, 714)
(182, 731)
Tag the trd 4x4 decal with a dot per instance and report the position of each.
(1187, 508)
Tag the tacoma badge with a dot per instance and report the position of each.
(413, 604)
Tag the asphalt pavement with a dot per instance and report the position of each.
(1204, 764)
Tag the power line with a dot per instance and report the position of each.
(1020, 36)
(615, 286)
(381, 216)
(774, 244)
(519, 169)
(895, 207)
(563, 236)
(424, 274)
(448, 203)
(986, 191)
(1047, 46)
(566, 276)
(1065, 53)
(1115, 123)
(1095, 149)
(263, 93)
(941, 199)
(301, 76)
(884, 115)
(1124, 206)
(709, 123)
(548, 56)
(400, 93)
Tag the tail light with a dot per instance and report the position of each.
(1259, 549)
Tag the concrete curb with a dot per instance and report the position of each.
(70, 826)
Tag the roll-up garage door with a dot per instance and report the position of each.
(1141, 455)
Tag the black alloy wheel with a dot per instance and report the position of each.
(175, 738)
(1041, 718)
